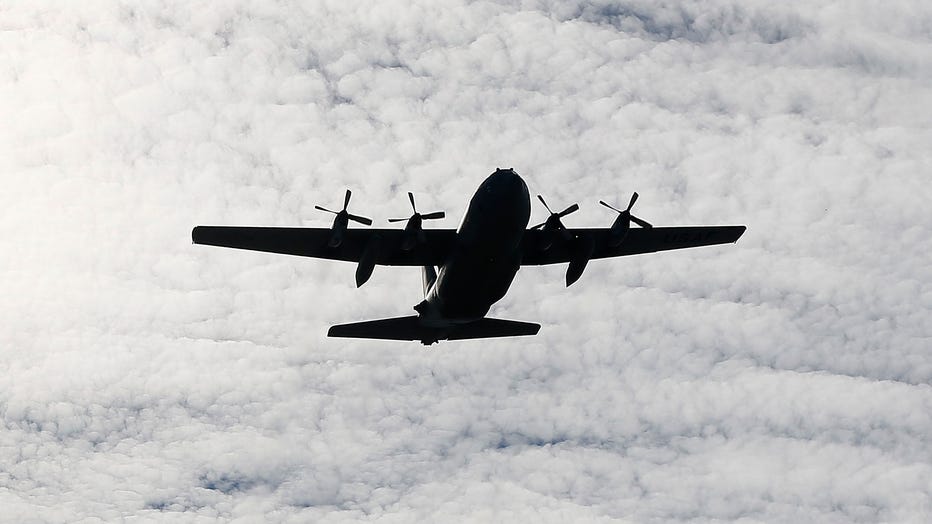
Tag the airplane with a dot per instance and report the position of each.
(466, 270)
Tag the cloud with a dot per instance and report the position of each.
(783, 378)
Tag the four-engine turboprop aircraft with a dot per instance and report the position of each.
(477, 262)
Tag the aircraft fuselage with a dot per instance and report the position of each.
(486, 255)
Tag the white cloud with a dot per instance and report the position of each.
(782, 379)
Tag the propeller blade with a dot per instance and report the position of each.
(361, 220)
(434, 215)
(397, 219)
(325, 209)
(634, 198)
(572, 209)
(346, 199)
(411, 198)
(640, 222)
(610, 207)
(544, 203)
(538, 226)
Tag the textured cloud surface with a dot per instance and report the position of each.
(786, 378)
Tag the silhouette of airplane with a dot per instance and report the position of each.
(477, 262)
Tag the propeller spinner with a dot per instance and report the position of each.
(341, 221)
(414, 232)
(622, 224)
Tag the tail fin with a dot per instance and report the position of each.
(410, 328)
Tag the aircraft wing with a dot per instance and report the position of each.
(383, 246)
(638, 240)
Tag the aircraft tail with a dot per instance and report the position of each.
(410, 328)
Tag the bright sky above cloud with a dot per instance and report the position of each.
(785, 378)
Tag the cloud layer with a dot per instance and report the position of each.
(786, 378)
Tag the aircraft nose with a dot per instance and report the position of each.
(508, 176)
(503, 199)
(509, 184)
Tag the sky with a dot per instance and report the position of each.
(785, 378)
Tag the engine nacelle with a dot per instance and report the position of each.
(619, 231)
(367, 260)
(337, 231)
(583, 246)
(413, 234)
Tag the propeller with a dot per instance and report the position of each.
(622, 224)
(414, 233)
(428, 216)
(626, 214)
(345, 214)
(553, 222)
(341, 220)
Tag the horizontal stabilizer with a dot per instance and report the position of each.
(410, 328)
